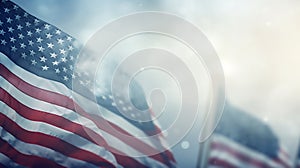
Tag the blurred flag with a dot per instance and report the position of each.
(241, 140)
(297, 164)
(41, 125)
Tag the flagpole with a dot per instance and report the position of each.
(203, 153)
(205, 139)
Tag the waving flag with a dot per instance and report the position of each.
(241, 140)
(41, 125)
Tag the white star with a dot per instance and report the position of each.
(33, 62)
(64, 59)
(66, 78)
(62, 51)
(8, 20)
(18, 17)
(124, 108)
(37, 30)
(19, 27)
(32, 53)
(13, 48)
(55, 63)
(3, 42)
(24, 55)
(10, 29)
(6, 10)
(36, 21)
(41, 49)
(16, 7)
(12, 39)
(2, 32)
(65, 69)
(50, 45)
(30, 42)
(57, 70)
(22, 45)
(39, 40)
(1, 23)
(69, 38)
(57, 32)
(28, 24)
(73, 76)
(21, 36)
(60, 41)
(29, 33)
(45, 68)
(71, 57)
(132, 115)
(48, 36)
(43, 59)
(46, 26)
(25, 14)
(70, 48)
(53, 55)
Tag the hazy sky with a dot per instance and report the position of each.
(256, 40)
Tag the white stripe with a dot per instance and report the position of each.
(284, 158)
(68, 114)
(244, 150)
(41, 151)
(223, 155)
(50, 130)
(71, 138)
(34, 79)
(86, 104)
(50, 108)
(8, 162)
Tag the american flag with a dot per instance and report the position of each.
(242, 140)
(42, 125)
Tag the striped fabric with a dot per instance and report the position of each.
(241, 140)
(41, 124)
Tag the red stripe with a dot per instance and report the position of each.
(60, 122)
(220, 162)
(167, 152)
(240, 156)
(281, 162)
(64, 101)
(51, 142)
(24, 159)
(127, 161)
(52, 119)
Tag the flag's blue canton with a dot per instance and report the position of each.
(138, 101)
(46, 51)
(248, 131)
(35, 45)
